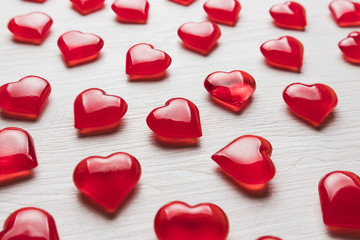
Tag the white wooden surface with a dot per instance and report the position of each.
(302, 154)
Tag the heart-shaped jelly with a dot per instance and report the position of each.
(30, 28)
(350, 47)
(223, 11)
(312, 103)
(231, 89)
(345, 12)
(200, 37)
(179, 221)
(107, 180)
(24, 98)
(131, 11)
(87, 6)
(290, 15)
(145, 62)
(77, 47)
(269, 238)
(285, 52)
(183, 2)
(29, 224)
(95, 111)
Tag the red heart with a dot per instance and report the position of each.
(29, 224)
(38, 1)
(290, 15)
(200, 37)
(26, 97)
(94, 110)
(78, 47)
(285, 52)
(269, 238)
(31, 28)
(345, 12)
(179, 118)
(231, 88)
(179, 221)
(223, 11)
(183, 2)
(145, 62)
(107, 180)
(131, 11)
(312, 103)
(87, 6)
(339, 193)
(247, 160)
(350, 47)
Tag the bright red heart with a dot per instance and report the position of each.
(29, 224)
(78, 47)
(313, 103)
(269, 238)
(231, 89)
(285, 52)
(87, 6)
(247, 160)
(107, 180)
(183, 2)
(339, 193)
(179, 118)
(95, 111)
(350, 47)
(131, 11)
(345, 12)
(290, 15)
(145, 62)
(24, 98)
(200, 37)
(30, 28)
(179, 221)
(223, 11)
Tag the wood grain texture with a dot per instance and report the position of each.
(302, 154)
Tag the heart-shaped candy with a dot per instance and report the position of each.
(24, 98)
(223, 11)
(87, 6)
(232, 89)
(285, 52)
(339, 193)
(269, 238)
(107, 180)
(183, 2)
(96, 111)
(350, 47)
(29, 224)
(312, 103)
(200, 37)
(345, 12)
(30, 28)
(131, 11)
(145, 62)
(179, 221)
(247, 160)
(78, 47)
(290, 15)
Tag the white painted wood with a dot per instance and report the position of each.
(302, 154)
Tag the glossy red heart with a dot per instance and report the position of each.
(247, 160)
(269, 238)
(200, 37)
(29, 224)
(285, 52)
(231, 89)
(223, 11)
(30, 28)
(350, 47)
(77, 47)
(179, 118)
(339, 193)
(179, 221)
(87, 6)
(345, 12)
(131, 11)
(183, 2)
(290, 15)
(94, 111)
(145, 62)
(313, 103)
(24, 98)
(107, 180)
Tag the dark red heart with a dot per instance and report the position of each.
(290, 15)
(107, 180)
(87, 6)
(223, 11)
(345, 13)
(183, 2)
(350, 47)
(179, 221)
(131, 11)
